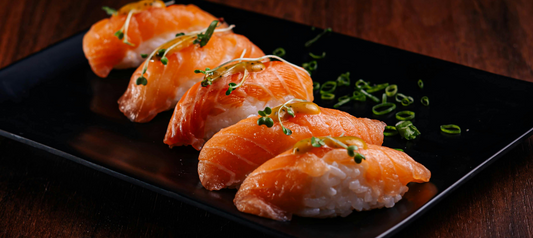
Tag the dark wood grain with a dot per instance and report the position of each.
(42, 195)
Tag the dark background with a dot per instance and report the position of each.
(44, 195)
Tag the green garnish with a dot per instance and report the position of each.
(316, 142)
(425, 101)
(451, 129)
(358, 158)
(328, 87)
(377, 88)
(344, 79)
(361, 84)
(180, 34)
(389, 107)
(286, 109)
(233, 86)
(390, 131)
(122, 34)
(164, 60)
(160, 52)
(141, 80)
(203, 38)
(358, 96)
(144, 56)
(384, 98)
(311, 66)
(109, 11)
(317, 56)
(420, 84)
(391, 90)
(407, 130)
(404, 100)
(342, 100)
(279, 52)
(327, 96)
(312, 41)
(398, 149)
(316, 85)
(405, 115)
(265, 119)
(374, 98)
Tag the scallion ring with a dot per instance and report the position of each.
(390, 131)
(316, 85)
(362, 84)
(398, 149)
(327, 96)
(451, 129)
(342, 100)
(391, 90)
(328, 87)
(279, 52)
(374, 98)
(404, 100)
(405, 115)
(420, 84)
(377, 88)
(425, 101)
(389, 108)
(358, 96)
(384, 98)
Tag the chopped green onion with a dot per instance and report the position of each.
(328, 87)
(310, 42)
(316, 85)
(144, 56)
(311, 66)
(317, 56)
(420, 83)
(404, 100)
(109, 11)
(405, 115)
(344, 79)
(377, 88)
(327, 96)
(389, 108)
(342, 100)
(374, 98)
(279, 52)
(384, 98)
(391, 90)
(358, 96)
(407, 130)
(398, 149)
(425, 101)
(361, 84)
(390, 131)
(451, 129)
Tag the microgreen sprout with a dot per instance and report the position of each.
(109, 11)
(208, 73)
(204, 37)
(265, 119)
(180, 39)
(122, 34)
(317, 142)
(358, 158)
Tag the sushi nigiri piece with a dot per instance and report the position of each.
(235, 151)
(138, 28)
(232, 92)
(159, 83)
(343, 175)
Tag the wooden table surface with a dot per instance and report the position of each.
(43, 195)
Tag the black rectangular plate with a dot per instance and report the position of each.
(53, 101)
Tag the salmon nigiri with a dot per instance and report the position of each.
(159, 83)
(138, 28)
(328, 177)
(235, 151)
(232, 92)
